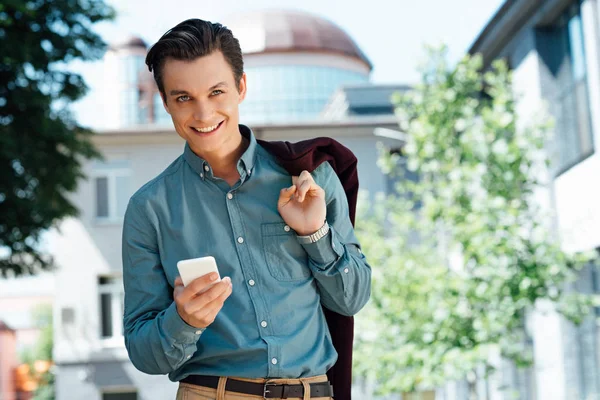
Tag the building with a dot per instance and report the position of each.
(20, 299)
(553, 47)
(294, 62)
(304, 60)
(8, 362)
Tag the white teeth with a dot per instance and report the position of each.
(206, 130)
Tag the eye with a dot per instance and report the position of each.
(216, 92)
(183, 98)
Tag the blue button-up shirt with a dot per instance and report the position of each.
(273, 324)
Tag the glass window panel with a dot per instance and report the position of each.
(293, 91)
(584, 118)
(106, 314)
(102, 197)
(107, 280)
(568, 131)
(576, 43)
(563, 52)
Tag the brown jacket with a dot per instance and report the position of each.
(308, 155)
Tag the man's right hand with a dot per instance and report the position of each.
(200, 310)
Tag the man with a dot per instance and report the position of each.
(284, 244)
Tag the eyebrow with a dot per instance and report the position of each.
(177, 92)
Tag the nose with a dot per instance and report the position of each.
(203, 111)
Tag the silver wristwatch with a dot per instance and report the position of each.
(323, 231)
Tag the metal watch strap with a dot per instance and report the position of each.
(322, 232)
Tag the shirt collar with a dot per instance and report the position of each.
(245, 164)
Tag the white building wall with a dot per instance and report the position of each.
(84, 249)
(576, 199)
(566, 357)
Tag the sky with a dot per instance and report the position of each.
(392, 33)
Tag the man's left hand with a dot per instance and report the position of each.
(302, 205)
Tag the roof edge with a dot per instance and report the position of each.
(510, 18)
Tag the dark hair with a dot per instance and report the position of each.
(191, 39)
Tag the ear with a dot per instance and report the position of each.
(242, 88)
(164, 102)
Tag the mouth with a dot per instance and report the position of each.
(208, 130)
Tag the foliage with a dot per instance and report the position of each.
(462, 253)
(41, 146)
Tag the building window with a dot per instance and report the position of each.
(595, 275)
(110, 289)
(292, 92)
(112, 189)
(124, 395)
(562, 47)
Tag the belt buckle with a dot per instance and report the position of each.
(266, 389)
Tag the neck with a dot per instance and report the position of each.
(224, 165)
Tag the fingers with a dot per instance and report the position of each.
(209, 312)
(200, 309)
(210, 300)
(197, 285)
(304, 175)
(178, 281)
(285, 195)
(306, 186)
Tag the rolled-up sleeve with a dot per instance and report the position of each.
(157, 339)
(340, 268)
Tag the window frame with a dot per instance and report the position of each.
(111, 173)
(572, 139)
(117, 291)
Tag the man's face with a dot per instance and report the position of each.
(202, 98)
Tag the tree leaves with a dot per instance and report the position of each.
(466, 251)
(41, 146)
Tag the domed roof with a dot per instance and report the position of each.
(291, 31)
(130, 43)
(4, 327)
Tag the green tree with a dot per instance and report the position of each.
(462, 253)
(41, 145)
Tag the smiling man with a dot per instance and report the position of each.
(285, 244)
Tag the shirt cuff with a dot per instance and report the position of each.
(325, 250)
(176, 328)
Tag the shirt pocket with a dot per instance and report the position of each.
(285, 257)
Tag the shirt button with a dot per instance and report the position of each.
(251, 282)
(273, 361)
(249, 172)
(201, 175)
(240, 240)
(206, 168)
(188, 357)
(346, 270)
(263, 324)
(286, 228)
(198, 332)
(229, 196)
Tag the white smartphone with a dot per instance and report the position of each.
(195, 268)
